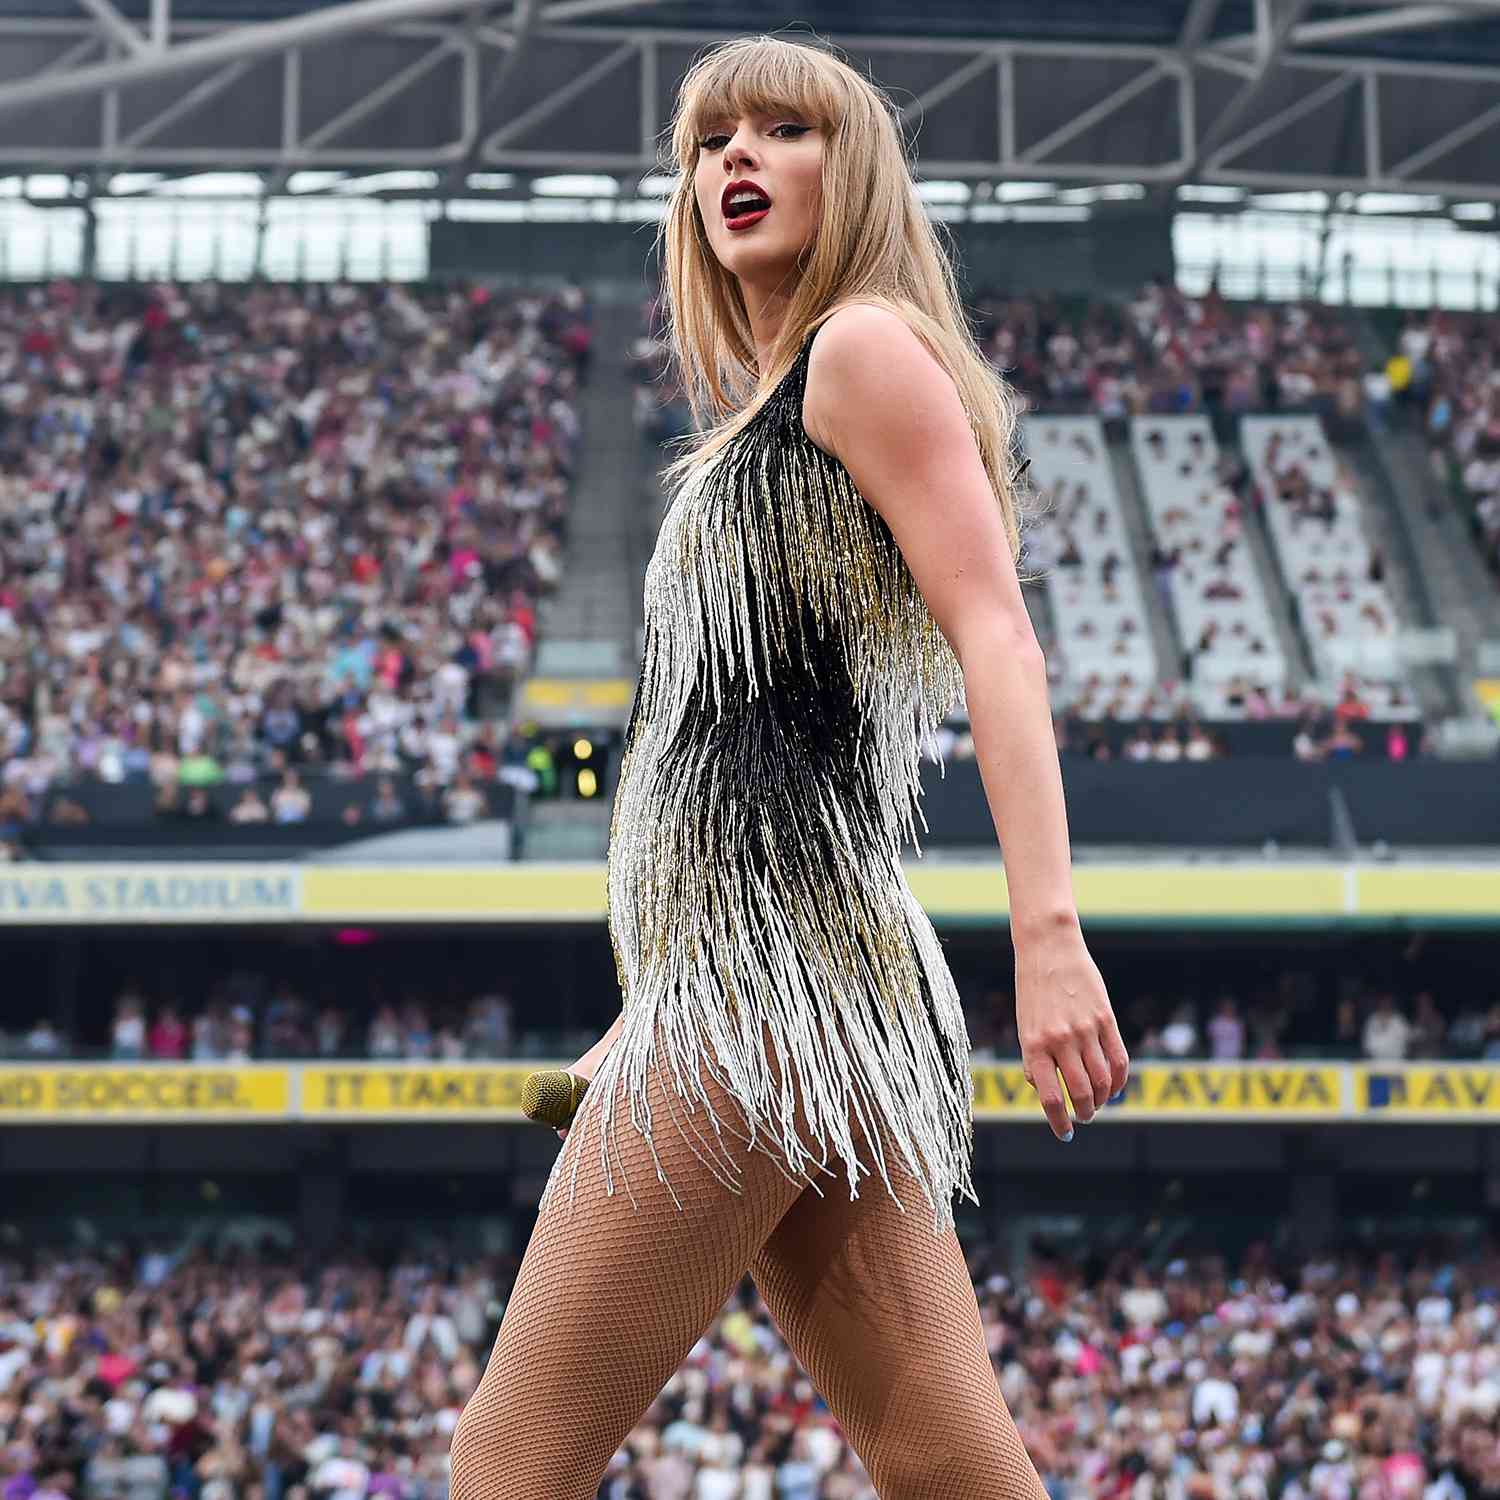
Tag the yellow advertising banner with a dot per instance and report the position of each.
(1160, 894)
(93, 1094)
(187, 1093)
(475, 1091)
(1428, 1091)
(1202, 1091)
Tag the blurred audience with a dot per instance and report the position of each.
(248, 529)
(261, 1372)
(1166, 352)
(1451, 368)
(248, 1016)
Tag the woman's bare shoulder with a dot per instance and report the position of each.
(864, 355)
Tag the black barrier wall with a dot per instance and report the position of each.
(1218, 804)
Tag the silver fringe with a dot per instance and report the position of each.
(756, 893)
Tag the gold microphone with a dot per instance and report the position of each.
(551, 1096)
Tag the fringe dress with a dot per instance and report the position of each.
(791, 675)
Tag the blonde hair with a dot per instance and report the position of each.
(874, 243)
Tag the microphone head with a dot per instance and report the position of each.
(551, 1096)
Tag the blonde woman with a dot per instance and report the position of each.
(786, 1090)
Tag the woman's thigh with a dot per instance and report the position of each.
(881, 1312)
(610, 1299)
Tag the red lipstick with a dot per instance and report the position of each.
(751, 203)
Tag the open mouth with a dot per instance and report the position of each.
(744, 204)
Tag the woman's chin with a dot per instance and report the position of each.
(758, 262)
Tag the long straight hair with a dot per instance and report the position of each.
(874, 243)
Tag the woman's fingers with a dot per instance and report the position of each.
(1043, 1078)
(1076, 1077)
(1119, 1058)
(1093, 1072)
(562, 1132)
(1101, 1076)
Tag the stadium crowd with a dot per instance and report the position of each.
(246, 529)
(1448, 365)
(139, 1373)
(1166, 352)
(248, 1017)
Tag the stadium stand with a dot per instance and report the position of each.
(1079, 542)
(1314, 514)
(1454, 369)
(1207, 570)
(170, 1369)
(256, 532)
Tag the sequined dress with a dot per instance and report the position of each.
(790, 675)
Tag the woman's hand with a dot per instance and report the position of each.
(588, 1064)
(1066, 1025)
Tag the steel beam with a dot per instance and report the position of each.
(1438, 149)
(71, 56)
(291, 99)
(1007, 95)
(1277, 182)
(944, 88)
(185, 104)
(651, 126)
(1197, 24)
(577, 10)
(1021, 68)
(1274, 124)
(523, 26)
(1374, 23)
(1273, 29)
(1486, 7)
(1369, 85)
(115, 26)
(544, 109)
(1096, 114)
(393, 87)
(228, 45)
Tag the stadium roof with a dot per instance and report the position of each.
(1378, 96)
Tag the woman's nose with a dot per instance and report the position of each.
(737, 153)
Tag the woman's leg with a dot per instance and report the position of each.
(608, 1302)
(882, 1314)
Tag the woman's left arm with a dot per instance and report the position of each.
(879, 401)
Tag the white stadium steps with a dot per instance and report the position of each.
(1351, 624)
(1219, 599)
(1102, 651)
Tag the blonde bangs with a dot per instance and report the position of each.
(748, 77)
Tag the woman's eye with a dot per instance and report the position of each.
(713, 142)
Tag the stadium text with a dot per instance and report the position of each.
(1250, 1090)
(413, 1091)
(159, 896)
(141, 1093)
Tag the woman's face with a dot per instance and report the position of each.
(781, 153)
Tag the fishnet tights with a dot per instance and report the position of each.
(610, 1299)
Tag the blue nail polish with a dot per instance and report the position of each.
(1069, 1135)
